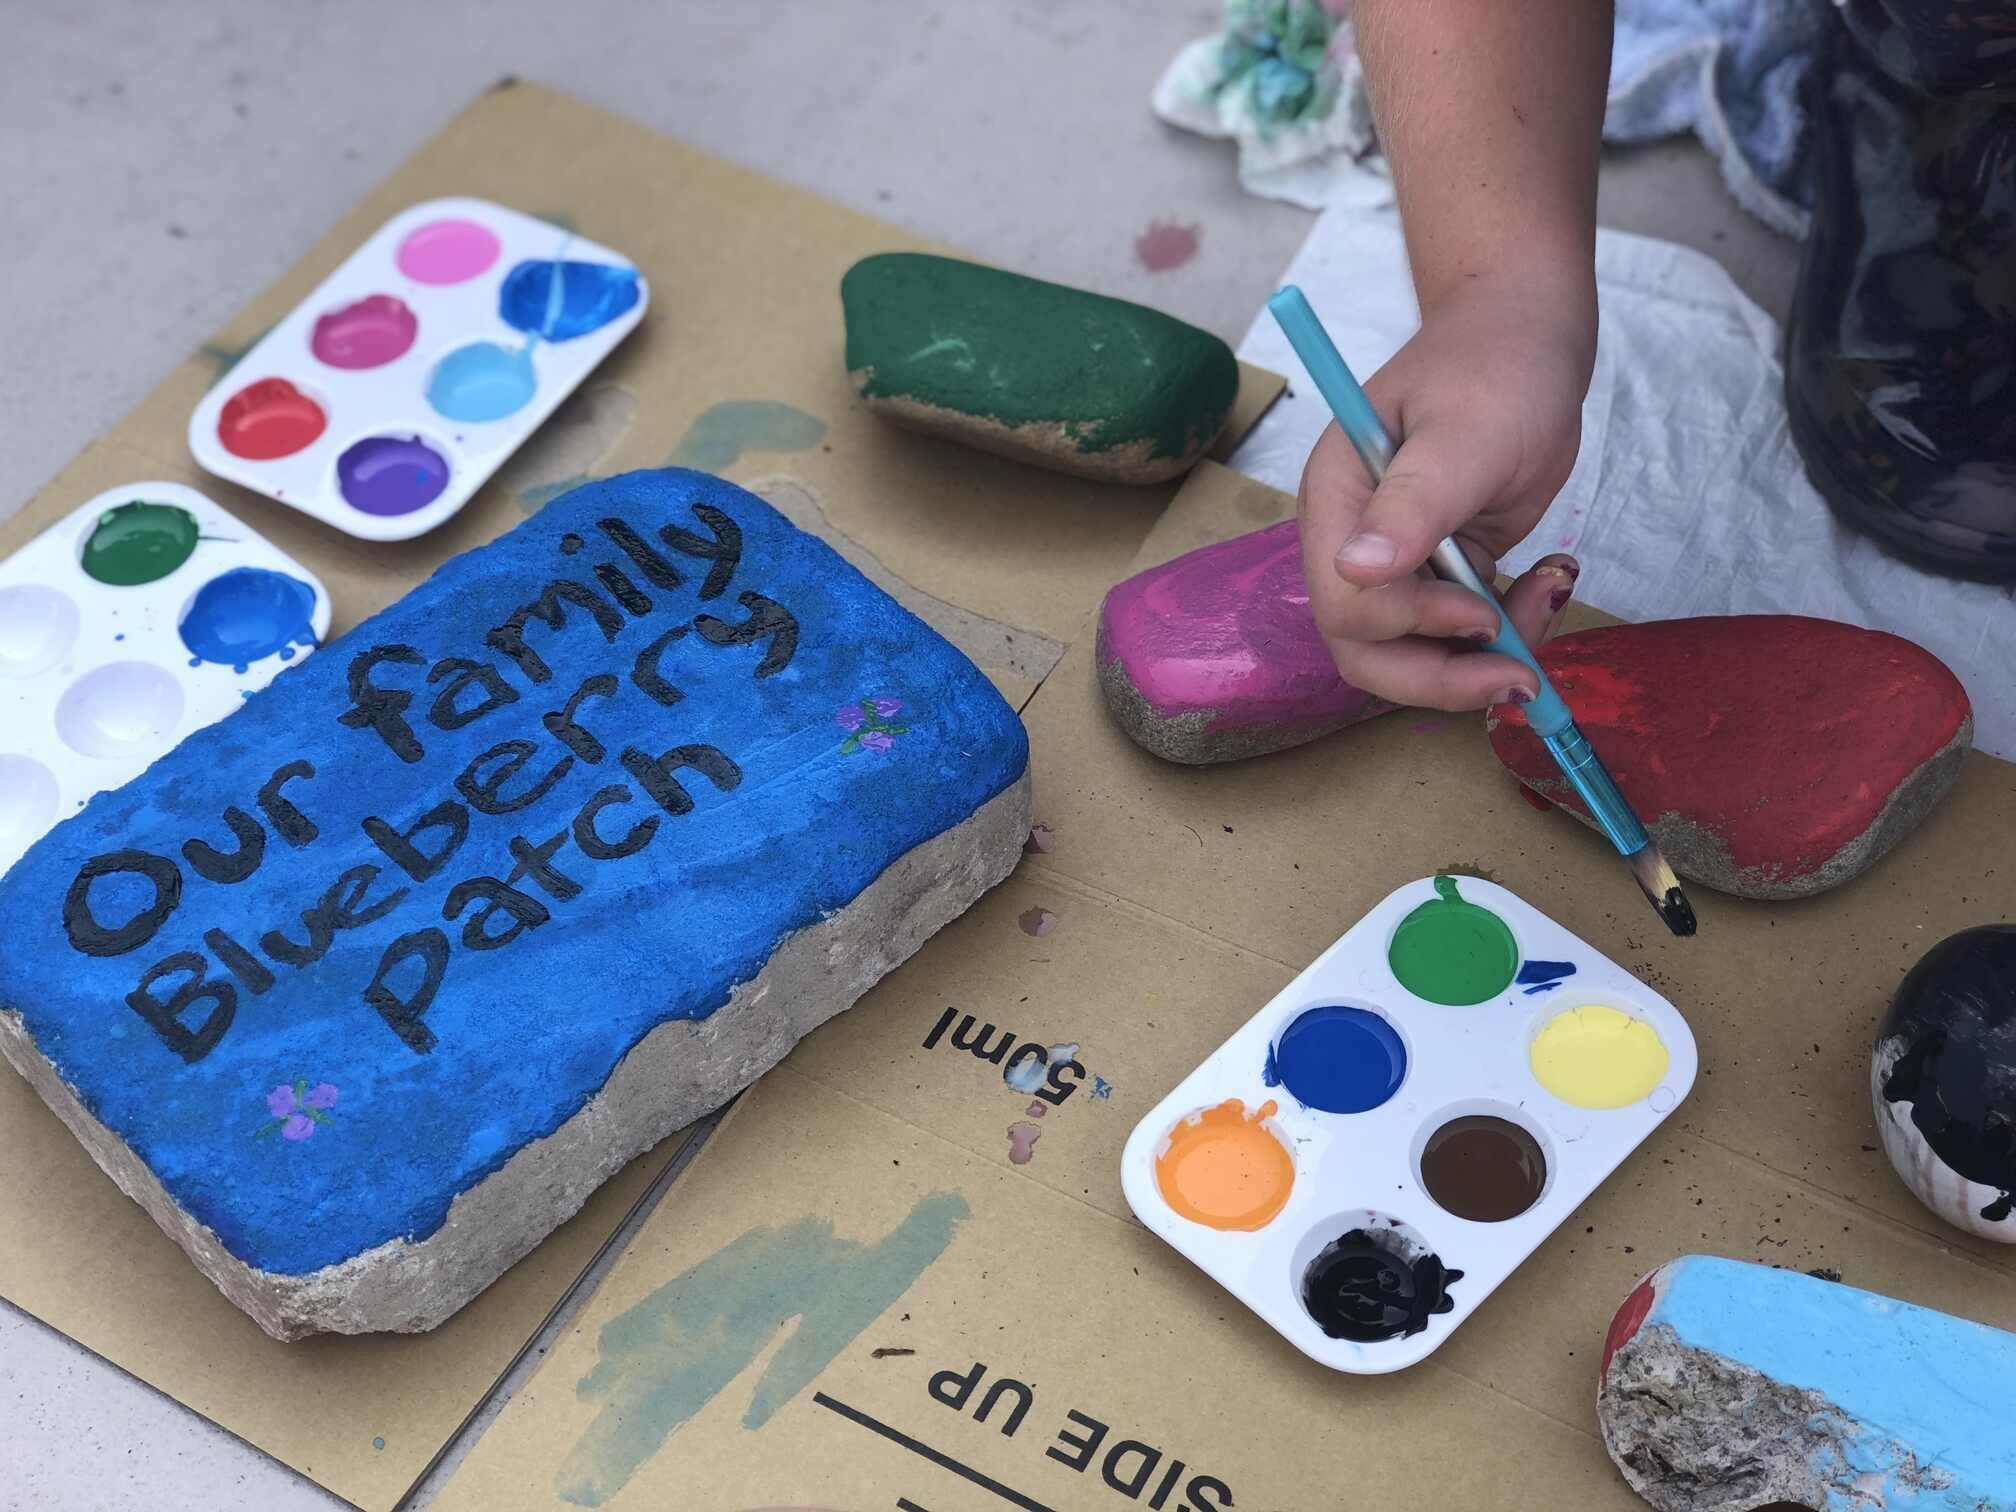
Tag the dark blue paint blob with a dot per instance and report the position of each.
(248, 614)
(1271, 1072)
(1341, 1060)
(1543, 976)
(561, 300)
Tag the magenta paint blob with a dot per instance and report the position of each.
(1227, 631)
(377, 329)
(391, 475)
(448, 251)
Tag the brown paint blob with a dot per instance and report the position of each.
(1484, 1169)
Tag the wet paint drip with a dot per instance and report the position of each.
(1338, 1060)
(559, 300)
(1028, 1071)
(391, 475)
(1485, 1169)
(482, 381)
(1226, 1169)
(370, 333)
(1453, 952)
(1598, 1057)
(1361, 1287)
(247, 615)
(269, 419)
(1543, 976)
(447, 252)
(1022, 1139)
(139, 543)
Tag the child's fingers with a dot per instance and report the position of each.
(1432, 674)
(1536, 601)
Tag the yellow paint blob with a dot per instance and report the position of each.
(1598, 1057)
(1224, 1169)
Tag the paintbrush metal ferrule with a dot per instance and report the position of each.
(1547, 713)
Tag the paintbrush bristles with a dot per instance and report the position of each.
(1662, 889)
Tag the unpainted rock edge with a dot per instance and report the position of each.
(1700, 855)
(1046, 444)
(679, 1071)
(1187, 739)
(1694, 1431)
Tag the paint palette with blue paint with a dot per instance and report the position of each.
(1377, 1149)
(143, 615)
(387, 397)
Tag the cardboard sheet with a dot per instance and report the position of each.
(738, 370)
(1178, 901)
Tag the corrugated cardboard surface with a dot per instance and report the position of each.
(1181, 900)
(745, 306)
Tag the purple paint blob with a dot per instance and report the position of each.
(377, 329)
(447, 251)
(391, 475)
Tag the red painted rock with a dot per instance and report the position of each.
(1771, 756)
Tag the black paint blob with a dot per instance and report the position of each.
(1954, 1019)
(1360, 1287)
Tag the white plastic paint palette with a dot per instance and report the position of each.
(388, 396)
(138, 618)
(1380, 1146)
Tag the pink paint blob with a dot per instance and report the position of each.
(1165, 245)
(377, 329)
(447, 251)
(1226, 631)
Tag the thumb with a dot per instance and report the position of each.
(1439, 480)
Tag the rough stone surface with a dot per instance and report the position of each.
(1214, 656)
(1060, 377)
(804, 781)
(1771, 756)
(1727, 1386)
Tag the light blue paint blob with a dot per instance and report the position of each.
(560, 300)
(666, 1358)
(1901, 1380)
(482, 381)
(378, 1443)
(723, 432)
(246, 615)
(1543, 976)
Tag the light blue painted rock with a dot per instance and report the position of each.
(1728, 1386)
(364, 990)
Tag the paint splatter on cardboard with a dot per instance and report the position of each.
(1166, 245)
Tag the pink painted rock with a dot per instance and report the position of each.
(1214, 656)
(1771, 756)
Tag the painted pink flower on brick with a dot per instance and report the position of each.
(887, 707)
(877, 741)
(868, 725)
(297, 1108)
(849, 716)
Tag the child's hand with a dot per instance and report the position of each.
(1486, 405)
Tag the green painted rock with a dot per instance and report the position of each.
(1032, 370)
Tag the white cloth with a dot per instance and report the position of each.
(1688, 497)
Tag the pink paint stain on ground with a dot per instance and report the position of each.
(1227, 631)
(1037, 921)
(1022, 1139)
(1042, 840)
(1037, 1108)
(1427, 726)
(1166, 244)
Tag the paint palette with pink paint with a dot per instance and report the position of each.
(136, 619)
(1376, 1150)
(386, 398)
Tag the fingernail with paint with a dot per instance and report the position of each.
(1514, 695)
(1558, 599)
(1482, 637)
(1567, 567)
(1368, 550)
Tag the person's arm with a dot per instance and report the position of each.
(1490, 115)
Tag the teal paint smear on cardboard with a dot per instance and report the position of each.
(671, 1354)
(224, 358)
(717, 440)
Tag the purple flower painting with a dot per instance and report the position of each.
(298, 1109)
(868, 725)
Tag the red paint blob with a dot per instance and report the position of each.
(377, 329)
(1630, 1318)
(1165, 245)
(268, 419)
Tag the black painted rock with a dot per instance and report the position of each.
(1943, 1080)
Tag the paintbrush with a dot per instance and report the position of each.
(1548, 714)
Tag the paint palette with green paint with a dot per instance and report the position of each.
(384, 400)
(1378, 1148)
(139, 617)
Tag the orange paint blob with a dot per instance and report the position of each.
(1225, 1169)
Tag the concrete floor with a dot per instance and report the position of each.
(162, 162)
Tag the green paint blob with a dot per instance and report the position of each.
(717, 439)
(667, 1357)
(1453, 952)
(139, 543)
(1020, 351)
